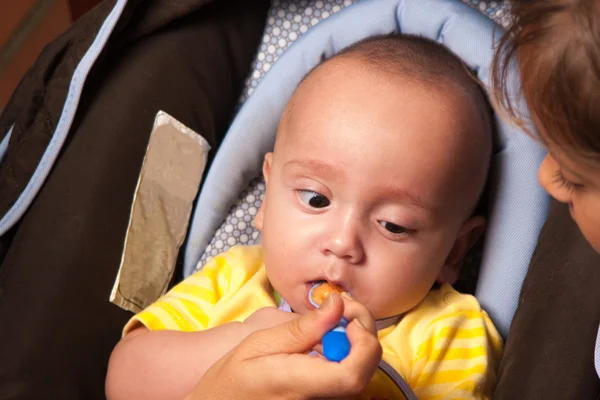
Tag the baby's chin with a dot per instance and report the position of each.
(388, 312)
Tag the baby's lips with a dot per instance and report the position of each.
(321, 291)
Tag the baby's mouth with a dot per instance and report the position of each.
(320, 290)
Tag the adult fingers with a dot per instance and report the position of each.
(355, 310)
(317, 377)
(299, 335)
(318, 348)
(365, 351)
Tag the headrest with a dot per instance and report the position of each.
(518, 207)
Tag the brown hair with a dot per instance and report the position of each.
(419, 58)
(557, 46)
(415, 57)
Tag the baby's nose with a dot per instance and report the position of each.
(345, 243)
(350, 251)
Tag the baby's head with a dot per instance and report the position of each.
(557, 43)
(380, 159)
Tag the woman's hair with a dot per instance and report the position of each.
(557, 46)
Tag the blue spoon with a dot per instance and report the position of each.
(336, 345)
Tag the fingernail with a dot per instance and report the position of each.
(346, 295)
(327, 303)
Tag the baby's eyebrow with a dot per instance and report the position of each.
(315, 166)
(412, 198)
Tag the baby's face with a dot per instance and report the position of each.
(365, 190)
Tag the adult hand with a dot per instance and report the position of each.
(267, 317)
(273, 364)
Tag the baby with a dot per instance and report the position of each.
(380, 159)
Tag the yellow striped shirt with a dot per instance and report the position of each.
(445, 348)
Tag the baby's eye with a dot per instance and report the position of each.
(313, 199)
(393, 228)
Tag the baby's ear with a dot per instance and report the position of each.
(260, 214)
(468, 235)
(267, 166)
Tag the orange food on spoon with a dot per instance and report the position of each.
(322, 291)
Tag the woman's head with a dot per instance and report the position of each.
(557, 46)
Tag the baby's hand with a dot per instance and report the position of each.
(267, 317)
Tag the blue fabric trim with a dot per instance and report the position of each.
(65, 121)
(4, 144)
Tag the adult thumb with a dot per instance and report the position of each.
(301, 334)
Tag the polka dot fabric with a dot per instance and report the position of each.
(238, 227)
(288, 20)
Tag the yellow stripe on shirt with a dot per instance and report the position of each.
(451, 333)
(178, 317)
(191, 313)
(453, 365)
(146, 318)
(458, 375)
(155, 318)
(195, 291)
(454, 353)
(467, 390)
(464, 315)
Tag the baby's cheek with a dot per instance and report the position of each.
(399, 296)
(280, 280)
